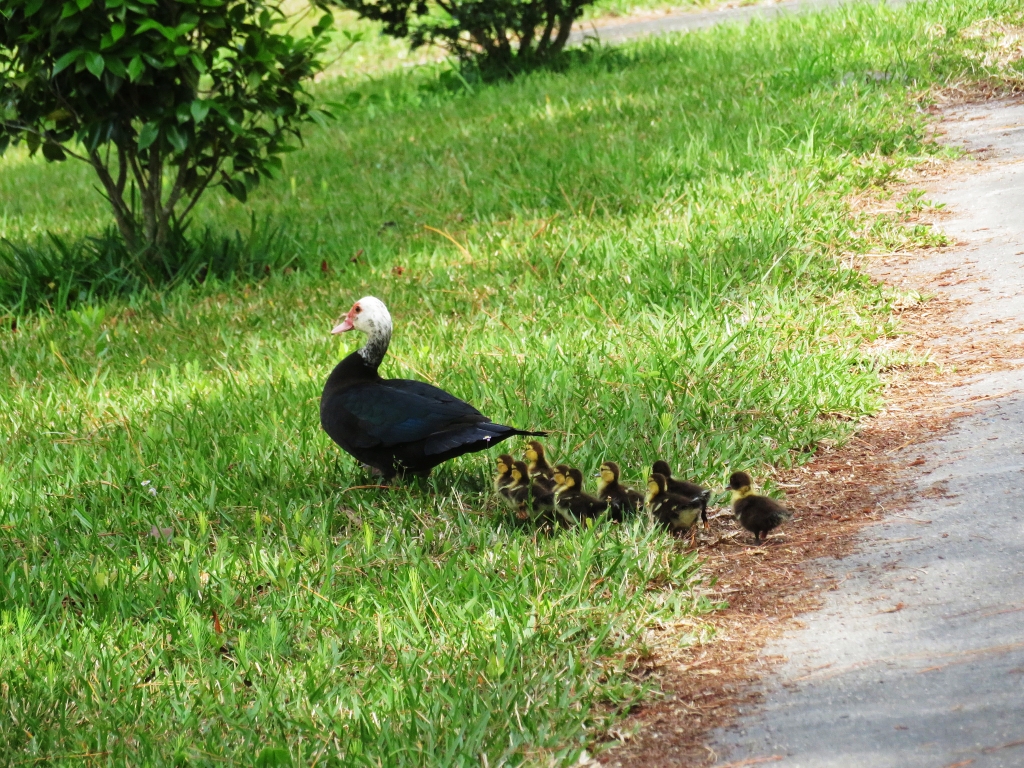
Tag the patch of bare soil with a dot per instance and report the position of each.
(837, 494)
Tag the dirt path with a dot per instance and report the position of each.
(917, 658)
(616, 30)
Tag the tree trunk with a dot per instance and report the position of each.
(564, 28)
(152, 188)
(115, 195)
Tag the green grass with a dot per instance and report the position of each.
(650, 264)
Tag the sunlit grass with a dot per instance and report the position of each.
(648, 266)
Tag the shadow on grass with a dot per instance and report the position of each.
(55, 273)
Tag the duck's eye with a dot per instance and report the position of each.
(358, 309)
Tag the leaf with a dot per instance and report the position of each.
(177, 137)
(94, 62)
(148, 135)
(135, 68)
(83, 4)
(182, 29)
(149, 24)
(200, 109)
(53, 152)
(115, 66)
(65, 61)
(238, 190)
(325, 23)
(117, 31)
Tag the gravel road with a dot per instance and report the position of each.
(917, 659)
(619, 30)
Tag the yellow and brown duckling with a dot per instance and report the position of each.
(683, 488)
(572, 500)
(538, 465)
(621, 500)
(504, 477)
(758, 514)
(523, 495)
(517, 492)
(676, 512)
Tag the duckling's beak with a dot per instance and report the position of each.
(596, 474)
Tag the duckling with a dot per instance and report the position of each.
(675, 512)
(683, 488)
(522, 494)
(758, 514)
(620, 498)
(538, 464)
(559, 473)
(572, 499)
(504, 477)
(517, 492)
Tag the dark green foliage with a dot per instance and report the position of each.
(207, 93)
(500, 36)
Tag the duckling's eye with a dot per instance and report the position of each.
(358, 309)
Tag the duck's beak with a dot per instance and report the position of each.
(343, 326)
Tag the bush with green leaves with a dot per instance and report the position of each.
(163, 99)
(502, 36)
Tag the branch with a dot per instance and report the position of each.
(179, 183)
(545, 38)
(42, 135)
(202, 187)
(125, 222)
(140, 179)
(565, 27)
(122, 169)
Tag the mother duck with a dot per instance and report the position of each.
(397, 425)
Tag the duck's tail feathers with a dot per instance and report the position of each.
(527, 433)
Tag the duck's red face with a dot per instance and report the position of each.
(350, 320)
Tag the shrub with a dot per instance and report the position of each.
(501, 36)
(202, 92)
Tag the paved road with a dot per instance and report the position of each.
(917, 660)
(618, 30)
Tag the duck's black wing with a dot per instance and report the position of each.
(391, 412)
(407, 423)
